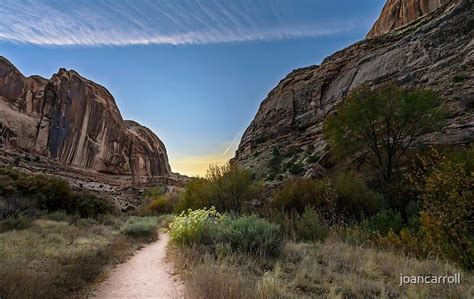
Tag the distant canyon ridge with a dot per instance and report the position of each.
(428, 43)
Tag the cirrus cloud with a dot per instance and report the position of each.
(175, 22)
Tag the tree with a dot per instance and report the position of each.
(382, 124)
(232, 188)
(227, 188)
(446, 188)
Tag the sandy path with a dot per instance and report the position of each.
(146, 275)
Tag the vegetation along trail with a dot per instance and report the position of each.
(146, 275)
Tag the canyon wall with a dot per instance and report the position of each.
(75, 122)
(397, 13)
(435, 52)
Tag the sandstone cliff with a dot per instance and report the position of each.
(397, 13)
(75, 122)
(436, 51)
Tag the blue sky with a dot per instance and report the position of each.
(193, 71)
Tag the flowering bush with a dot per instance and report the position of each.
(194, 227)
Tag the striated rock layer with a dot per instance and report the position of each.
(397, 13)
(75, 122)
(436, 52)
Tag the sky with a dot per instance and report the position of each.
(193, 71)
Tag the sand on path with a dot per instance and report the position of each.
(146, 275)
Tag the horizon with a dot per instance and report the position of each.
(180, 82)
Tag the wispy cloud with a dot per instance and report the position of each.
(176, 22)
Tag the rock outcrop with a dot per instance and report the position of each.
(397, 13)
(436, 51)
(75, 122)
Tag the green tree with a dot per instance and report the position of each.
(232, 187)
(227, 187)
(382, 124)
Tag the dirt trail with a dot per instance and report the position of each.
(146, 275)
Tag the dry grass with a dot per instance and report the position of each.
(333, 269)
(56, 259)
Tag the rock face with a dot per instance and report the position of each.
(75, 122)
(436, 52)
(397, 13)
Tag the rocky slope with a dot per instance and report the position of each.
(397, 13)
(75, 122)
(436, 51)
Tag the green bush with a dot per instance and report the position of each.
(141, 227)
(255, 236)
(88, 205)
(15, 205)
(296, 168)
(59, 216)
(154, 191)
(22, 193)
(310, 227)
(383, 222)
(295, 195)
(50, 193)
(355, 201)
(14, 223)
(7, 185)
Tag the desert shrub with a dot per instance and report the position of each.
(383, 222)
(313, 158)
(59, 216)
(296, 168)
(10, 172)
(17, 222)
(446, 190)
(275, 160)
(158, 205)
(354, 200)
(409, 242)
(88, 205)
(22, 193)
(49, 192)
(254, 235)
(310, 227)
(161, 204)
(15, 205)
(295, 195)
(85, 222)
(196, 196)
(141, 227)
(460, 77)
(196, 227)
(154, 191)
(7, 185)
(165, 220)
